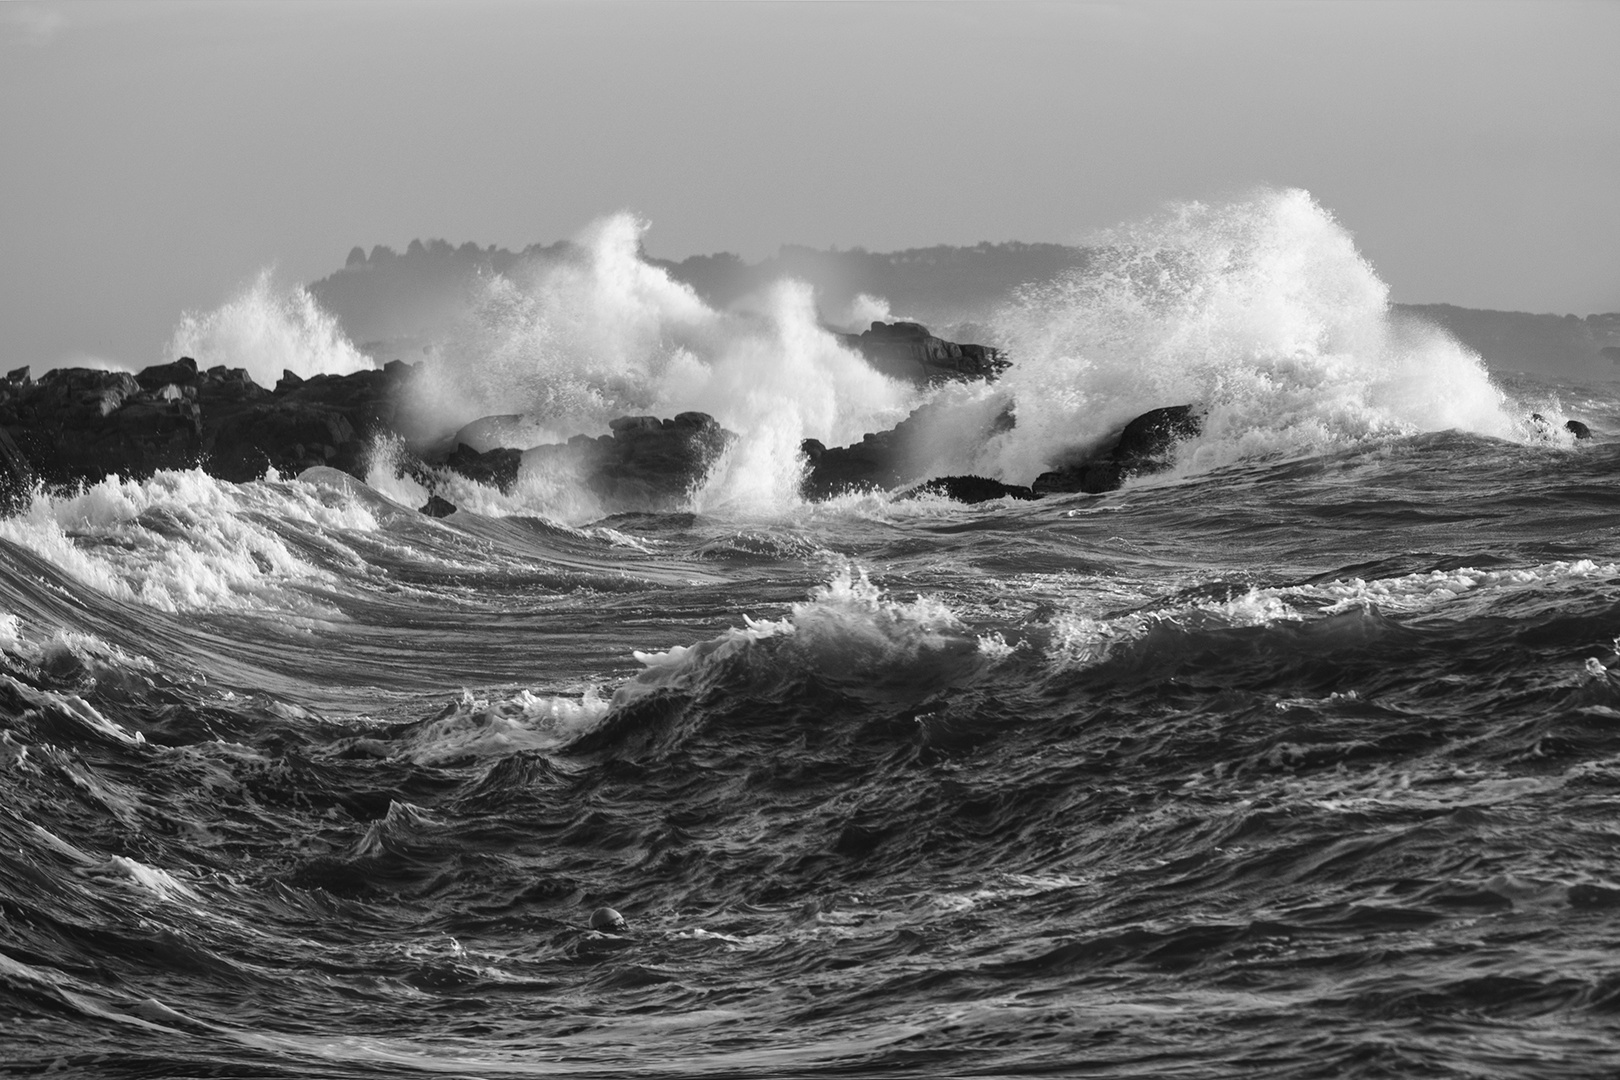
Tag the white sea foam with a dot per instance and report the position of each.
(571, 343)
(848, 627)
(268, 329)
(1076, 640)
(481, 727)
(182, 540)
(151, 879)
(1261, 312)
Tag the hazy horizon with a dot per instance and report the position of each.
(165, 153)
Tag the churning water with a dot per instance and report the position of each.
(1299, 760)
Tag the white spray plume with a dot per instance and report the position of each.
(1260, 311)
(267, 330)
(572, 343)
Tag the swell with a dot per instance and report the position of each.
(1229, 794)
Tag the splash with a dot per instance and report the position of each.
(268, 330)
(565, 344)
(184, 541)
(849, 629)
(1260, 311)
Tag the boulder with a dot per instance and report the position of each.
(1146, 445)
(905, 454)
(496, 468)
(437, 507)
(1544, 427)
(78, 424)
(969, 489)
(906, 350)
(642, 464)
(183, 372)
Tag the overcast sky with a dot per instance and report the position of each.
(155, 156)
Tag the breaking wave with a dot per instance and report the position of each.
(1260, 311)
(268, 330)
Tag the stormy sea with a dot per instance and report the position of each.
(1300, 758)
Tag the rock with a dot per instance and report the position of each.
(607, 920)
(969, 489)
(77, 424)
(16, 475)
(493, 468)
(904, 454)
(437, 507)
(183, 372)
(906, 350)
(493, 432)
(643, 464)
(245, 438)
(1543, 427)
(1146, 445)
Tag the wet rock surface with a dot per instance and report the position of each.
(78, 425)
(907, 351)
(1146, 445)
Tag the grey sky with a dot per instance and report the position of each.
(156, 155)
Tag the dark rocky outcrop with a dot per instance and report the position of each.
(1574, 427)
(78, 424)
(437, 507)
(906, 350)
(644, 463)
(884, 460)
(1146, 445)
(496, 468)
(969, 489)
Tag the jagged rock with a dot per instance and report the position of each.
(888, 459)
(906, 350)
(969, 489)
(78, 424)
(437, 507)
(644, 464)
(493, 432)
(1146, 445)
(496, 468)
(16, 474)
(874, 463)
(183, 372)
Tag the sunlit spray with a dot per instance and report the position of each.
(1261, 312)
(267, 330)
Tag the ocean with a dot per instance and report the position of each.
(1299, 759)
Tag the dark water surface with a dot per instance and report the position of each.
(1302, 768)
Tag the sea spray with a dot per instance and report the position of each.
(268, 330)
(567, 343)
(182, 541)
(1261, 312)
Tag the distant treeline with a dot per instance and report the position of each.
(388, 302)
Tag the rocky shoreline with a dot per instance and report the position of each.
(77, 425)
